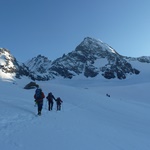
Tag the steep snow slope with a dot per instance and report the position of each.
(88, 120)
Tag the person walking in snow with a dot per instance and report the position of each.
(58, 102)
(39, 96)
(50, 98)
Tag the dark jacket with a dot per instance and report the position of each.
(50, 97)
(58, 101)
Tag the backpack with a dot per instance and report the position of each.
(38, 93)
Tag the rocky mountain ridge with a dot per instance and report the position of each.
(91, 58)
(9, 64)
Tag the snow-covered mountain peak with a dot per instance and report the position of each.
(93, 44)
(37, 62)
(6, 58)
(9, 66)
(39, 68)
(93, 58)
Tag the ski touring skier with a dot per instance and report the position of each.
(58, 102)
(50, 98)
(39, 96)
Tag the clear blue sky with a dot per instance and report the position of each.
(55, 27)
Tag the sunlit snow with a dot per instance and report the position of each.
(89, 120)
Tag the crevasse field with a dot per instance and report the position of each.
(89, 120)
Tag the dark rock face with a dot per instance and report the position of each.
(119, 69)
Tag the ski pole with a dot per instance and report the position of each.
(62, 107)
(46, 104)
(35, 104)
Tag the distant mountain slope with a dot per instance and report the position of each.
(9, 66)
(39, 68)
(91, 58)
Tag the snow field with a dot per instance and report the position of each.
(88, 119)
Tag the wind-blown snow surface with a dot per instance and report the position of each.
(89, 120)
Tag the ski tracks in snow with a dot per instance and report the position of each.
(18, 117)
